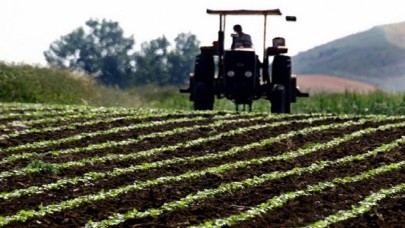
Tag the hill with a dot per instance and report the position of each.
(375, 56)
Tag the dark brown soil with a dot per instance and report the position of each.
(388, 213)
(53, 135)
(236, 202)
(301, 211)
(8, 184)
(85, 141)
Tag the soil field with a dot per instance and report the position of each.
(114, 167)
(332, 84)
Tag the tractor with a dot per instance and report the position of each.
(239, 75)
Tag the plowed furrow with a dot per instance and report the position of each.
(74, 170)
(170, 191)
(388, 212)
(67, 129)
(119, 136)
(238, 201)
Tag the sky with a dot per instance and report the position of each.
(28, 27)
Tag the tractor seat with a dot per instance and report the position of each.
(242, 49)
(276, 50)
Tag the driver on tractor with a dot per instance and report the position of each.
(240, 39)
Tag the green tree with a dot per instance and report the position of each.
(151, 62)
(101, 50)
(181, 59)
(157, 65)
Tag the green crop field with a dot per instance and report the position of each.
(82, 166)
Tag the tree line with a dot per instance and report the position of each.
(100, 49)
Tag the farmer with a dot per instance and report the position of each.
(240, 39)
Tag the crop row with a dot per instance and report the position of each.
(28, 123)
(152, 152)
(41, 144)
(68, 114)
(47, 143)
(49, 115)
(111, 144)
(362, 207)
(106, 115)
(37, 114)
(92, 176)
(197, 174)
(167, 166)
(98, 118)
(41, 107)
(274, 202)
(22, 107)
(280, 200)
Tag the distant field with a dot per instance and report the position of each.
(332, 84)
(81, 166)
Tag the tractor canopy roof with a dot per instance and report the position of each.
(275, 12)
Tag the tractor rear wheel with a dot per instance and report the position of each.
(203, 95)
(281, 74)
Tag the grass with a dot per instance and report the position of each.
(32, 84)
(377, 102)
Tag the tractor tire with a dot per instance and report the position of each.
(278, 99)
(203, 95)
(281, 74)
